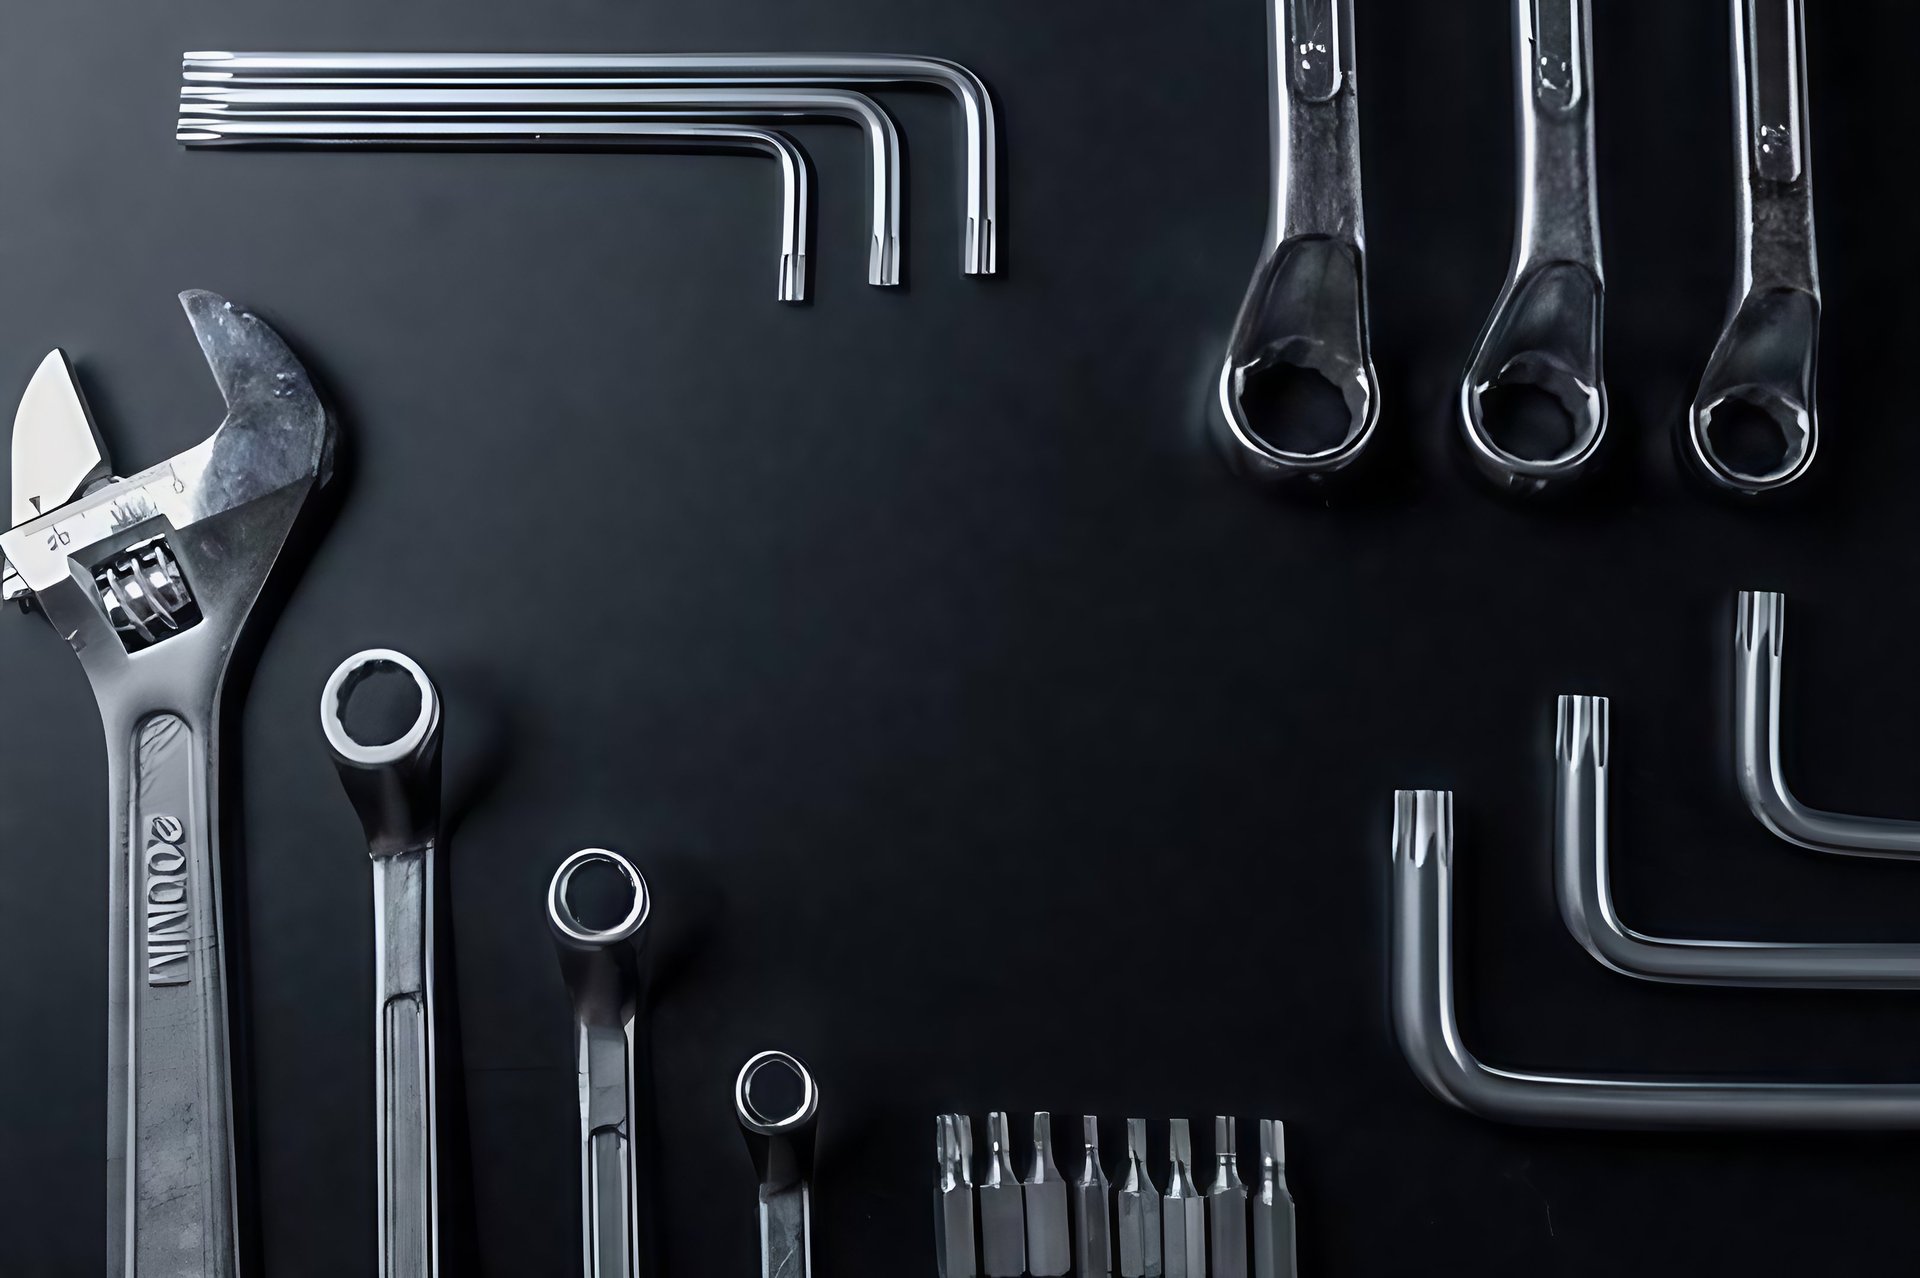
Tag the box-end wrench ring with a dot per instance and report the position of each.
(782, 1151)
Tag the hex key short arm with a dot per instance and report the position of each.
(589, 103)
(1759, 630)
(982, 252)
(426, 133)
(1425, 1018)
(1581, 882)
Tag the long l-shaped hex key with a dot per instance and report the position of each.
(1422, 995)
(424, 132)
(1581, 743)
(349, 105)
(398, 70)
(1758, 637)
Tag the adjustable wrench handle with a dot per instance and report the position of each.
(170, 1148)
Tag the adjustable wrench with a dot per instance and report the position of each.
(151, 580)
(395, 787)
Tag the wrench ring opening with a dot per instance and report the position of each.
(751, 1117)
(340, 685)
(567, 924)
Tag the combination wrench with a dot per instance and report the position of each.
(395, 789)
(151, 580)
(782, 1149)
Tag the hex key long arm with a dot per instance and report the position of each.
(581, 104)
(1759, 631)
(426, 133)
(982, 252)
(1426, 1022)
(1581, 743)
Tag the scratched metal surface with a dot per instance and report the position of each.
(988, 747)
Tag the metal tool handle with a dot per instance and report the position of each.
(395, 787)
(602, 974)
(1765, 360)
(782, 1149)
(1316, 122)
(170, 1151)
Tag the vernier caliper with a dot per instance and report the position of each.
(150, 580)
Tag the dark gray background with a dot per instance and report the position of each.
(987, 745)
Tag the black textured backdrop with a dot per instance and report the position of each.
(988, 745)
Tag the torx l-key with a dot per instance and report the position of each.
(1092, 1214)
(1136, 1210)
(1049, 1250)
(1226, 1205)
(1184, 1213)
(395, 789)
(1003, 1228)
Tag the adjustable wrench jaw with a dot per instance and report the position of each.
(150, 580)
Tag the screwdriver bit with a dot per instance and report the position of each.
(953, 1215)
(1184, 1214)
(1092, 1221)
(1049, 1253)
(1003, 1226)
(1226, 1205)
(1273, 1251)
(1137, 1209)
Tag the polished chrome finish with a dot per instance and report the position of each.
(1226, 1205)
(1760, 377)
(1003, 1225)
(782, 1149)
(426, 133)
(395, 789)
(224, 509)
(200, 107)
(601, 967)
(1049, 1248)
(1423, 997)
(1092, 1211)
(1273, 1243)
(953, 1201)
(1586, 896)
(1304, 319)
(1539, 354)
(1183, 1213)
(660, 70)
(1136, 1211)
(1759, 637)
(57, 453)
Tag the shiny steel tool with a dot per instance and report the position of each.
(1049, 1249)
(1754, 425)
(1759, 638)
(1533, 404)
(1003, 1225)
(782, 1149)
(429, 134)
(1092, 1214)
(583, 104)
(1299, 359)
(395, 789)
(1586, 896)
(953, 1201)
(1136, 1211)
(1273, 1245)
(151, 580)
(1226, 1205)
(1183, 1213)
(658, 70)
(601, 967)
(1424, 1004)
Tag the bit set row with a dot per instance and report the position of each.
(1047, 1226)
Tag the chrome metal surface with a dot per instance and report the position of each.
(1533, 401)
(1226, 1205)
(782, 1149)
(1272, 1207)
(252, 114)
(1183, 1213)
(1049, 1247)
(426, 133)
(1298, 398)
(663, 70)
(1003, 1225)
(395, 789)
(1424, 1003)
(1092, 1210)
(1586, 897)
(601, 967)
(953, 1199)
(57, 453)
(1754, 425)
(1136, 1209)
(1759, 642)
